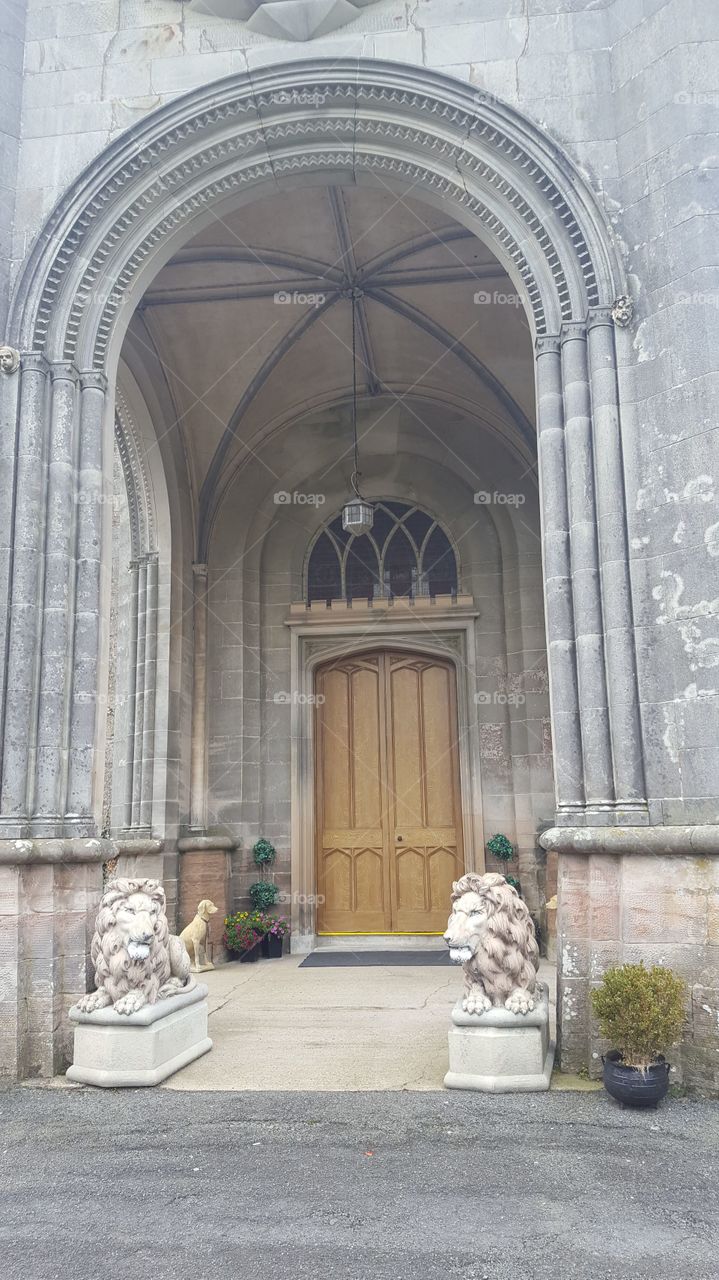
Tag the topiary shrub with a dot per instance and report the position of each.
(640, 1011)
(263, 852)
(263, 894)
(501, 848)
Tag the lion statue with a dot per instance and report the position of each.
(490, 933)
(137, 961)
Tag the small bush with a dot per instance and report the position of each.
(243, 930)
(501, 847)
(263, 894)
(640, 1011)
(263, 853)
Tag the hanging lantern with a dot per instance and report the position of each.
(358, 513)
(357, 516)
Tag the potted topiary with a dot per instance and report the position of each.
(503, 850)
(263, 894)
(274, 937)
(243, 935)
(641, 1012)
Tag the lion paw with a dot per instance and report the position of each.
(477, 1002)
(519, 1002)
(94, 1000)
(130, 1003)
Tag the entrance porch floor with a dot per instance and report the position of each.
(277, 1026)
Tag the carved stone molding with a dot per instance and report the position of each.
(623, 311)
(287, 19)
(140, 498)
(404, 124)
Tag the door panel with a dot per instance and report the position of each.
(388, 800)
(352, 871)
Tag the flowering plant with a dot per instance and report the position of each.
(243, 931)
(278, 926)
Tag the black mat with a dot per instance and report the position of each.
(366, 959)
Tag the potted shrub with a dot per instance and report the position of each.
(273, 938)
(243, 935)
(641, 1012)
(503, 850)
(263, 894)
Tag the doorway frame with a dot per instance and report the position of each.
(312, 644)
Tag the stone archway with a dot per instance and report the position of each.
(221, 146)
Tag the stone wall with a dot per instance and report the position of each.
(620, 909)
(49, 895)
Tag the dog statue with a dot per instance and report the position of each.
(196, 936)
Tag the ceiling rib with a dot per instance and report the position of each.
(346, 248)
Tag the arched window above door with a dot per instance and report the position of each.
(407, 554)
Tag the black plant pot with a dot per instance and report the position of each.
(272, 946)
(633, 1087)
(249, 957)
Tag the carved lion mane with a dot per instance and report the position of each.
(490, 932)
(137, 961)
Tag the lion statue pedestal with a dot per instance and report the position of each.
(499, 1041)
(148, 1017)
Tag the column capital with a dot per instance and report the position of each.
(199, 569)
(574, 331)
(547, 345)
(34, 362)
(92, 379)
(600, 317)
(64, 371)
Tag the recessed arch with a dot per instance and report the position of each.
(143, 197)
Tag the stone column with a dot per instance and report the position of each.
(622, 688)
(57, 638)
(9, 418)
(586, 591)
(133, 568)
(150, 675)
(564, 695)
(198, 770)
(79, 814)
(139, 677)
(28, 533)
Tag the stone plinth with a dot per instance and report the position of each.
(144, 1048)
(499, 1051)
(205, 873)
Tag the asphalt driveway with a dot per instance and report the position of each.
(159, 1184)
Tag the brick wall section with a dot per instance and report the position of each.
(47, 919)
(620, 909)
(206, 874)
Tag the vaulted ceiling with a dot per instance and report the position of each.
(251, 323)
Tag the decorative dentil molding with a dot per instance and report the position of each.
(439, 139)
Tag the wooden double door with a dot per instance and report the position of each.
(388, 807)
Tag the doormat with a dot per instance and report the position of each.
(366, 959)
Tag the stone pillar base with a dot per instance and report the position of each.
(144, 1048)
(499, 1051)
(205, 873)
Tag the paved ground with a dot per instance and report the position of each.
(355, 1186)
(277, 1026)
